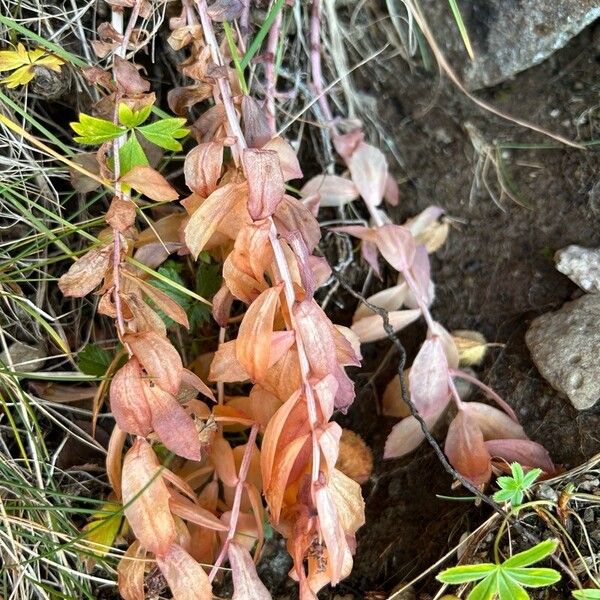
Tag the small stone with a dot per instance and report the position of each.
(580, 265)
(565, 347)
(591, 485)
(545, 492)
(24, 358)
(588, 515)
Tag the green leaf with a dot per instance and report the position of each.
(462, 28)
(465, 573)
(103, 528)
(262, 33)
(131, 154)
(587, 594)
(165, 133)
(486, 589)
(94, 360)
(509, 589)
(132, 118)
(533, 555)
(208, 282)
(507, 483)
(92, 130)
(504, 495)
(530, 477)
(517, 472)
(532, 577)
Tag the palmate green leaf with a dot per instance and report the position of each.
(131, 154)
(132, 118)
(486, 589)
(508, 589)
(532, 577)
(466, 573)
(517, 472)
(507, 483)
(92, 130)
(530, 477)
(504, 495)
(165, 133)
(533, 555)
(591, 594)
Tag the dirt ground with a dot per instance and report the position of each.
(495, 274)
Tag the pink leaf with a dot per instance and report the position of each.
(428, 378)
(127, 401)
(368, 168)
(526, 452)
(287, 158)
(396, 245)
(175, 428)
(466, 450)
(202, 168)
(334, 191)
(494, 424)
(421, 274)
(246, 584)
(370, 329)
(389, 299)
(391, 193)
(407, 435)
(266, 186)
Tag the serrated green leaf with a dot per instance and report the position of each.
(165, 133)
(517, 472)
(533, 555)
(508, 483)
(486, 589)
(508, 589)
(92, 130)
(532, 577)
(504, 495)
(591, 594)
(530, 477)
(94, 360)
(131, 154)
(466, 573)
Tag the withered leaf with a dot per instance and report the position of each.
(86, 273)
(121, 214)
(128, 78)
(225, 10)
(256, 127)
(150, 182)
(266, 187)
(202, 168)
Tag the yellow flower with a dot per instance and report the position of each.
(22, 62)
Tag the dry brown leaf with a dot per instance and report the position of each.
(471, 346)
(186, 578)
(392, 404)
(86, 273)
(121, 214)
(266, 187)
(355, 458)
(202, 168)
(150, 182)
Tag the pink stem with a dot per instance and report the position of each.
(315, 60)
(487, 390)
(270, 72)
(237, 499)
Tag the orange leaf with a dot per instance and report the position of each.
(467, 451)
(225, 366)
(224, 461)
(150, 182)
(86, 273)
(186, 578)
(131, 572)
(175, 428)
(158, 357)
(189, 511)
(146, 499)
(113, 459)
(164, 302)
(253, 344)
(266, 186)
(128, 402)
(202, 168)
(205, 220)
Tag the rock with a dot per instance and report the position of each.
(580, 265)
(565, 347)
(508, 36)
(24, 357)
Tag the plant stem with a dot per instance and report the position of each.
(237, 499)
(270, 75)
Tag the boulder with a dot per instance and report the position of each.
(508, 36)
(565, 347)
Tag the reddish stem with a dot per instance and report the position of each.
(315, 60)
(237, 499)
(270, 72)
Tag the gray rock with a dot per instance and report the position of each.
(24, 357)
(565, 346)
(580, 265)
(508, 36)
